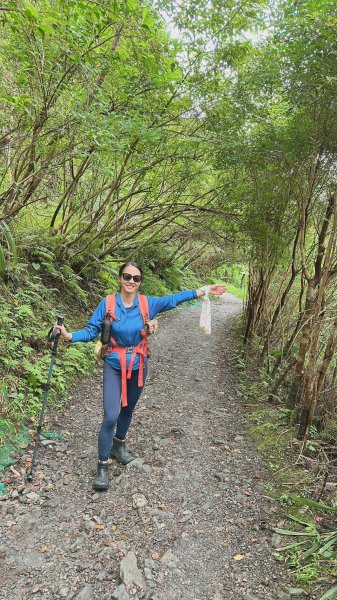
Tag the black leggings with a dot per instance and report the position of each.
(113, 413)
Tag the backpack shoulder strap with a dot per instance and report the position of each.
(144, 307)
(111, 305)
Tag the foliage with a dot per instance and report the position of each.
(35, 293)
(100, 146)
(28, 310)
(313, 553)
(210, 154)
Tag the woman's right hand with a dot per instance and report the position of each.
(64, 334)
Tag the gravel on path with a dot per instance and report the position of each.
(188, 519)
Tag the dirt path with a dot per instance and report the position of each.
(198, 486)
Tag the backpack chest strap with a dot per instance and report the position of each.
(142, 351)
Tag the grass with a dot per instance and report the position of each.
(232, 289)
(308, 549)
(235, 291)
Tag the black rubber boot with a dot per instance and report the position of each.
(120, 452)
(102, 480)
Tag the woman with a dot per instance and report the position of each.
(126, 332)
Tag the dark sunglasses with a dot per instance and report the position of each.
(128, 277)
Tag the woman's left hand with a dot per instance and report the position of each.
(216, 290)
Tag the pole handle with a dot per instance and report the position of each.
(56, 336)
(52, 336)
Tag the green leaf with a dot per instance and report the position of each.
(330, 594)
(2, 263)
(130, 5)
(11, 242)
(148, 20)
(288, 532)
(24, 311)
(30, 12)
(292, 546)
(313, 504)
(329, 542)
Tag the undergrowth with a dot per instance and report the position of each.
(35, 288)
(28, 309)
(298, 481)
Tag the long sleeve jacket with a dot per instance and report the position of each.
(126, 329)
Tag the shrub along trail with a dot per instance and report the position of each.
(188, 520)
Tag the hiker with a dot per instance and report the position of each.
(125, 356)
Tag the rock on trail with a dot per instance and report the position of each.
(186, 520)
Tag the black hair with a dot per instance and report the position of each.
(130, 264)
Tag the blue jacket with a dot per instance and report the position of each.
(126, 329)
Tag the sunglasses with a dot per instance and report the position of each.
(128, 277)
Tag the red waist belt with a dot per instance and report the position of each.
(142, 350)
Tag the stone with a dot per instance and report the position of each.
(64, 591)
(137, 463)
(295, 592)
(224, 487)
(169, 559)
(151, 564)
(222, 476)
(78, 543)
(85, 593)
(33, 496)
(164, 442)
(277, 540)
(120, 593)
(52, 503)
(31, 560)
(148, 573)
(89, 525)
(61, 448)
(283, 596)
(122, 546)
(148, 595)
(129, 572)
(139, 501)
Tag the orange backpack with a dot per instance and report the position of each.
(141, 349)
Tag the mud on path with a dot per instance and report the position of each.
(174, 519)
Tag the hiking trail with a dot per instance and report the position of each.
(188, 520)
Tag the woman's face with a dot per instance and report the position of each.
(132, 285)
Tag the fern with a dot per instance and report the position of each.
(8, 237)
(2, 263)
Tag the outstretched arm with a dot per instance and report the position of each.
(159, 305)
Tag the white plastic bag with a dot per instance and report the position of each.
(205, 316)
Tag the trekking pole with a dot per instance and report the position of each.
(52, 337)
